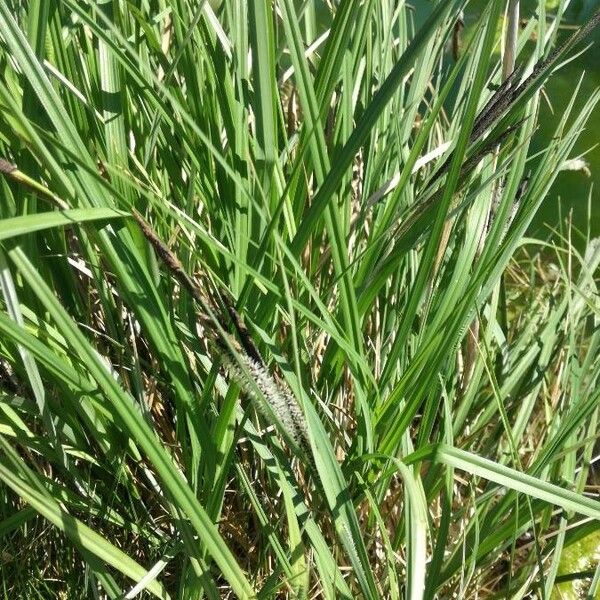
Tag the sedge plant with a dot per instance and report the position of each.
(271, 322)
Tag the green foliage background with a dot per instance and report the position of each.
(363, 200)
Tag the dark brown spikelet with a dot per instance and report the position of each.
(242, 331)
(167, 256)
(242, 360)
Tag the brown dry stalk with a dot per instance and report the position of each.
(12, 171)
(7, 167)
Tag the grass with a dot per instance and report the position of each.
(327, 361)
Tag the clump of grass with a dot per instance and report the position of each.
(242, 360)
(343, 204)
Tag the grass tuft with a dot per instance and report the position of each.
(337, 200)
